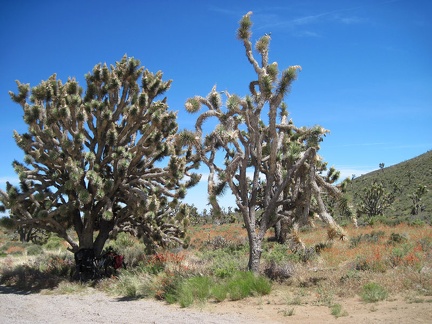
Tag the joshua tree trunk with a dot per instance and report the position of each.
(255, 250)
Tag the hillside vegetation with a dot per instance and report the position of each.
(403, 178)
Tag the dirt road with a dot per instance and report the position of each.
(96, 307)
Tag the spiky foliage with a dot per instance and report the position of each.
(103, 161)
(26, 232)
(272, 167)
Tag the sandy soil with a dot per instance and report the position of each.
(96, 307)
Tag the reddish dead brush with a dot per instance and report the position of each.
(201, 234)
(165, 261)
(15, 250)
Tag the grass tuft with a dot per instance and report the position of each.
(373, 292)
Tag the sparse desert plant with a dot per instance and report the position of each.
(325, 296)
(336, 311)
(66, 287)
(295, 300)
(288, 312)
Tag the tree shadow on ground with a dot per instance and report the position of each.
(24, 280)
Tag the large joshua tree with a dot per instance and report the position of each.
(272, 168)
(101, 162)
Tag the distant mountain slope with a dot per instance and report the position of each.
(408, 175)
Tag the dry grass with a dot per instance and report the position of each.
(399, 258)
(204, 234)
(343, 269)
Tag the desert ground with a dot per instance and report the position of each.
(92, 306)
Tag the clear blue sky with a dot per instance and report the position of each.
(367, 64)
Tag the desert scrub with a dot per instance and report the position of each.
(373, 292)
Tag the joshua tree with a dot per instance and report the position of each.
(416, 198)
(375, 199)
(271, 168)
(103, 162)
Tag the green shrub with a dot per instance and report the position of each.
(425, 243)
(417, 222)
(224, 268)
(281, 253)
(185, 298)
(35, 250)
(201, 288)
(54, 242)
(372, 237)
(219, 292)
(262, 286)
(133, 255)
(58, 265)
(195, 288)
(123, 241)
(397, 238)
(223, 264)
(277, 253)
(373, 292)
(350, 275)
(245, 283)
(129, 286)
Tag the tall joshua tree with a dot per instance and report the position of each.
(272, 168)
(101, 162)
